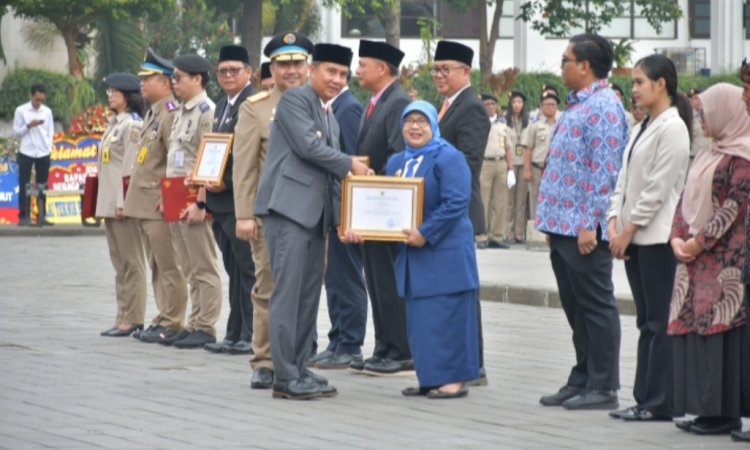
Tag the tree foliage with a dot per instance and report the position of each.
(557, 17)
(388, 13)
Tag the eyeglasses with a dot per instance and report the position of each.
(444, 70)
(566, 60)
(233, 71)
(420, 122)
(176, 77)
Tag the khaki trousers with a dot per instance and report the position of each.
(260, 296)
(167, 280)
(536, 180)
(517, 205)
(196, 252)
(129, 261)
(493, 183)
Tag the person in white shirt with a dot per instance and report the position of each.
(34, 125)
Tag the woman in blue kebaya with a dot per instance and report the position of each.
(436, 268)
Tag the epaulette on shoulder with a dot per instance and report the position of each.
(171, 106)
(255, 98)
(204, 106)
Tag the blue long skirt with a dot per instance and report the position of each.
(443, 337)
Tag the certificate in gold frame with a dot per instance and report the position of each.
(378, 208)
(363, 159)
(211, 161)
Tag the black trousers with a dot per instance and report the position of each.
(41, 166)
(651, 271)
(587, 297)
(346, 295)
(388, 309)
(238, 262)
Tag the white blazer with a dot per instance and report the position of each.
(649, 184)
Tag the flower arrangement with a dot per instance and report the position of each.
(91, 121)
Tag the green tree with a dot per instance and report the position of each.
(557, 17)
(77, 20)
(388, 12)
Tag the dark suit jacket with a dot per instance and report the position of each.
(348, 113)
(380, 136)
(466, 126)
(223, 202)
(303, 160)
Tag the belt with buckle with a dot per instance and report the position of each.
(492, 159)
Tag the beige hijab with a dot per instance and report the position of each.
(727, 122)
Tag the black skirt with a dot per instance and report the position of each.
(712, 373)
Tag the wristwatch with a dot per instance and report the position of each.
(200, 204)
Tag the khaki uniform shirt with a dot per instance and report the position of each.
(117, 150)
(514, 135)
(496, 141)
(251, 134)
(144, 192)
(537, 137)
(192, 120)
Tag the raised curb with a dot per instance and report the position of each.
(538, 297)
(50, 231)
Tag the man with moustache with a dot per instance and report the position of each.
(463, 123)
(295, 201)
(234, 73)
(288, 53)
(380, 136)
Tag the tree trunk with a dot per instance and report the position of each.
(69, 34)
(251, 29)
(488, 38)
(392, 14)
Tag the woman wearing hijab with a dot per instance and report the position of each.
(708, 311)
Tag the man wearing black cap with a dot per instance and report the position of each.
(266, 79)
(463, 123)
(288, 52)
(234, 73)
(380, 136)
(493, 179)
(535, 141)
(192, 237)
(295, 201)
(144, 198)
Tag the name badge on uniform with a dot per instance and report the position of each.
(142, 155)
(179, 158)
(519, 150)
(105, 155)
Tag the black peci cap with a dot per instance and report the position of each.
(380, 50)
(549, 94)
(154, 64)
(288, 46)
(514, 94)
(449, 50)
(233, 53)
(488, 96)
(192, 64)
(265, 70)
(337, 54)
(123, 81)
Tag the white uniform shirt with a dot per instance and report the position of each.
(36, 142)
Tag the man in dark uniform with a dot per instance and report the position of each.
(380, 135)
(463, 123)
(234, 73)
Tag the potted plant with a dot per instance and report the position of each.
(623, 52)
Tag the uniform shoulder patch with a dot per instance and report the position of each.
(204, 106)
(135, 115)
(171, 106)
(258, 97)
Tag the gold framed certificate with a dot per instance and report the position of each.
(363, 159)
(378, 208)
(211, 161)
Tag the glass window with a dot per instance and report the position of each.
(746, 9)
(465, 25)
(700, 19)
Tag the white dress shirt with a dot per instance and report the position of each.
(36, 142)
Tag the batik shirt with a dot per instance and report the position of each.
(585, 155)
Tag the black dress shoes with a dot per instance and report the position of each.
(338, 361)
(560, 396)
(358, 365)
(325, 389)
(296, 389)
(387, 367)
(592, 399)
(496, 244)
(107, 331)
(416, 391)
(716, 425)
(169, 337)
(262, 378)
(153, 333)
(638, 413)
(313, 359)
(740, 436)
(481, 381)
(240, 348)
(196, 339)
(437, 394)
(481, 245)
(219, 347)
(119, 332)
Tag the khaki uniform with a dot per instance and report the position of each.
(493, 183)
(142, 201)
(117, 151)
(194, 243)
(537, 137)
(517, 203)
(250, 150)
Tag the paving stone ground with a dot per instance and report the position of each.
(63, 386)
